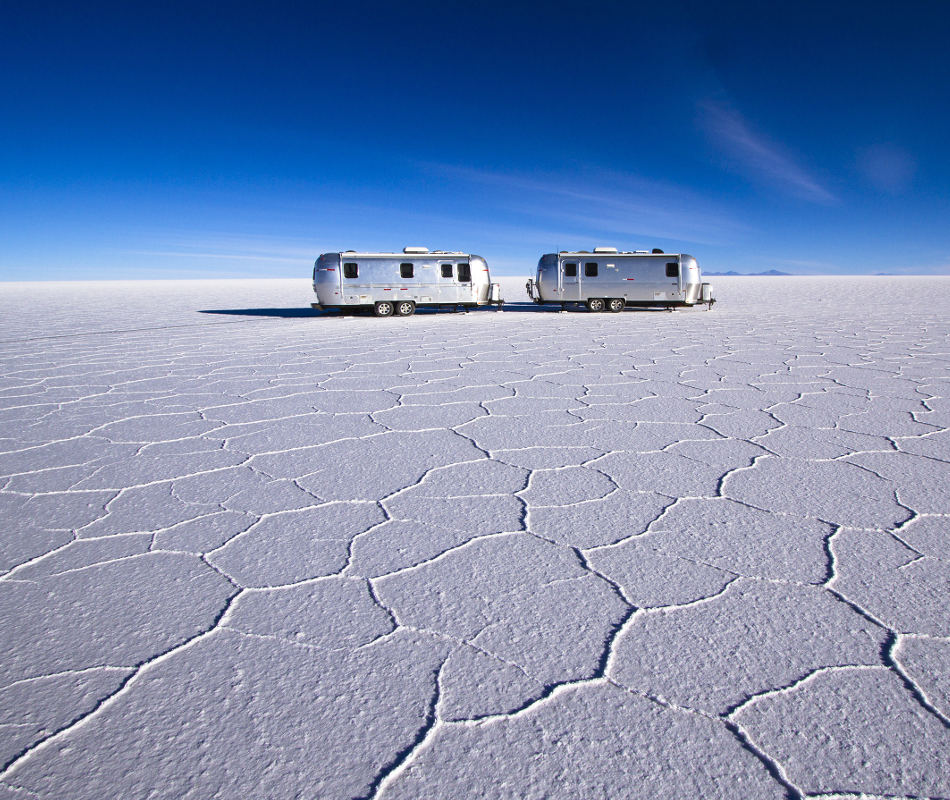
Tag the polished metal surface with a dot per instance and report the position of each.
(437, 278)
(637, 278)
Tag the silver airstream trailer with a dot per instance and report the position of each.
(607, 279)
(396, 283)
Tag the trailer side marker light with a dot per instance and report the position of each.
(403, 290)
(387, 290)
(631, 279)
(331, 269)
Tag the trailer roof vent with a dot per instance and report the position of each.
(605, 249)
(639, 251)
(415, 249)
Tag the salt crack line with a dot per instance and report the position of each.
(286, 512)
(60, 673)
(146, 484)
(863, 796)
(889, 657)
(133, 330)
(10, 575)
(551, 693)
(430, 727)
(124, 688)
(831, 565)
(84, 567)
(721, 483)
(796, 684)
(617, 588)
(706, 599)
(772, 766)
(444, 553)
(648, 528)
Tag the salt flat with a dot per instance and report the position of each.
(251, 550)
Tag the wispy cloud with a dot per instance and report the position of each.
(762, 159)
(509, 217)
(210, 246)
(194, 254)
(590, 202)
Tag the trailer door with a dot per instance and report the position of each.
(466, 287)
(570, 281)
(671, 272)
(447, 288)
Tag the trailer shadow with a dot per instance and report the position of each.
(302, 313)
(287, 313)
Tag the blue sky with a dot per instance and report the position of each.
(200, 140)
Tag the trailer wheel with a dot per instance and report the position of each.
(405, 308)
(383, 309)
(616, 304)
(595, 304)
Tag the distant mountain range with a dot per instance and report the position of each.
(749, 274)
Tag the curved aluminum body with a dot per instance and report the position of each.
(433, 278)
(671, 279)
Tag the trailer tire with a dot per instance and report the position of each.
(383, 309)
(616, 304)
(405, 308)
(595, 304)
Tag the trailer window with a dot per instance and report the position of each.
(405, 270)
(590, 269)
(446, 270)
(465, 272)
(672, 269)
(570, 270)
(351, 270)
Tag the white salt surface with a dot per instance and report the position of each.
(251, 550)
